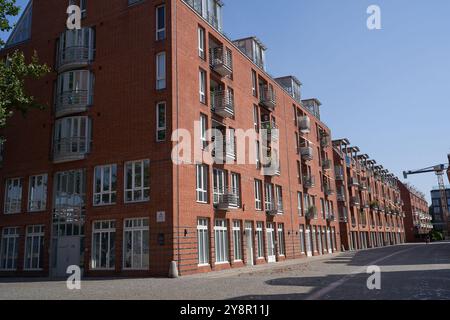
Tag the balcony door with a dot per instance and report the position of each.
(219, 184)
(308, 242)
(249, 243)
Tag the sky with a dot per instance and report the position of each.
(386, 90)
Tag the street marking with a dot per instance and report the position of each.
(340, 282)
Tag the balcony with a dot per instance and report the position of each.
(355, 201)
(222, 103)
(224, 150)
(221, 61)
(325, 141)
(309, 182)
(71, 102)
(327, 164)
(271, 130)
(226, 199)
(341, 196)
(363, 186)
(354, 181)
(311, 213)
(307, 153)
(304, 124)
(267, 97)
(70, 149)
(328, 190)
(331, 218)
(339, 172)
(76, 49)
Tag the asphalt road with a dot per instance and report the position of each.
(408, 272)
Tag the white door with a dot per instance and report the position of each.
(319, 240)
(249, 243)
(270, 243)
(308, 242)
(330, 249)
(68, 254)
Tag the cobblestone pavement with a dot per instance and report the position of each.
(412, 271)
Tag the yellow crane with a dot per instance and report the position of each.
(439, 170)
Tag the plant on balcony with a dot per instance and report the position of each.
(374, 205)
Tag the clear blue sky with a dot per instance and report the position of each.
(386, 90)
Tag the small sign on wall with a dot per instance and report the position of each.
(161, 216)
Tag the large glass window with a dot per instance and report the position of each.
(72, 137)
(161, 71)
(268, 197)
(221, 240)
(13, 195)
(37, 194)
(219, 184)
(103, 245)
(203, 241)
(137, 181)
(260, 239)
(136, 244)
(299, 204)
(161, 22)
(202, 85)
(237, 240)
(34, 248)
(9, 248)
(202, 183)
(258, 195)
(201, 43)
(105, 185)
(302, 239)
(203, 130)
(279, 191)
(281, 241)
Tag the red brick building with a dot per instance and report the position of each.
(91, 181)
(418, 223)
(370, 211)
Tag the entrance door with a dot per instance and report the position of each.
(249, 243)
(308, 242)
(330, 247)
(68, 254)
(270, 243)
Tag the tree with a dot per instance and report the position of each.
(14, 70)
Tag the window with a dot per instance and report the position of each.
(299, 204)
(268, 197)
(256, 118)
(221, 238)
(137, 178)
(203, 129)
(136, 244)
(322, 208)
(202, 183)
(201, 43)
(13, 195)
(161, 71)
(202, 85)
(161, 122)
(279, 191)
(72, 138)
(236, 187)
(160, 22)
(203, 241)
(219, 184)
(281, 242)
(254, 83)
(34, 248)
(260, 239)
(258, 154)
(9, 248)
(37, 194)
(258, 198)
(237, 240)
(302, 239)
(105, 185)
(103, 246)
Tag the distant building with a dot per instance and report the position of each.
(436, 208)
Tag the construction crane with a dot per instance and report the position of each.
(439, 170)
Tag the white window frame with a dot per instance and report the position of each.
(161, 128)
(279, 195)
(161, 74)
(9, 234)
(34, 233)
(203, 242)
(299, 203)
(219, 184)
(302, 239)
(260, 240)
(203, 130)
(237, 241)
(37, 195)
(13, 202)
(281, 240)
(112, 194)
(201, 43)
(145, 185)
(254, 83)
(202, 183)
(258, 195)
(202, 85)
(110, 230)
(136, 226)
(160, 32)
(221, 241)
(269, 203)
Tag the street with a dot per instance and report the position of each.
(408, 272)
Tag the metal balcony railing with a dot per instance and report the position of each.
(325, 141)
(304, 124)
(339, 172)
(70, 149)
(226, 198)
(309, 181)
(355, 201)
(221, 60)
(267, 97)
(272, 130)
(307, 153)
(74, 101)
(354, 181)
(222, 103)
(327, 164)
(329, 190)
